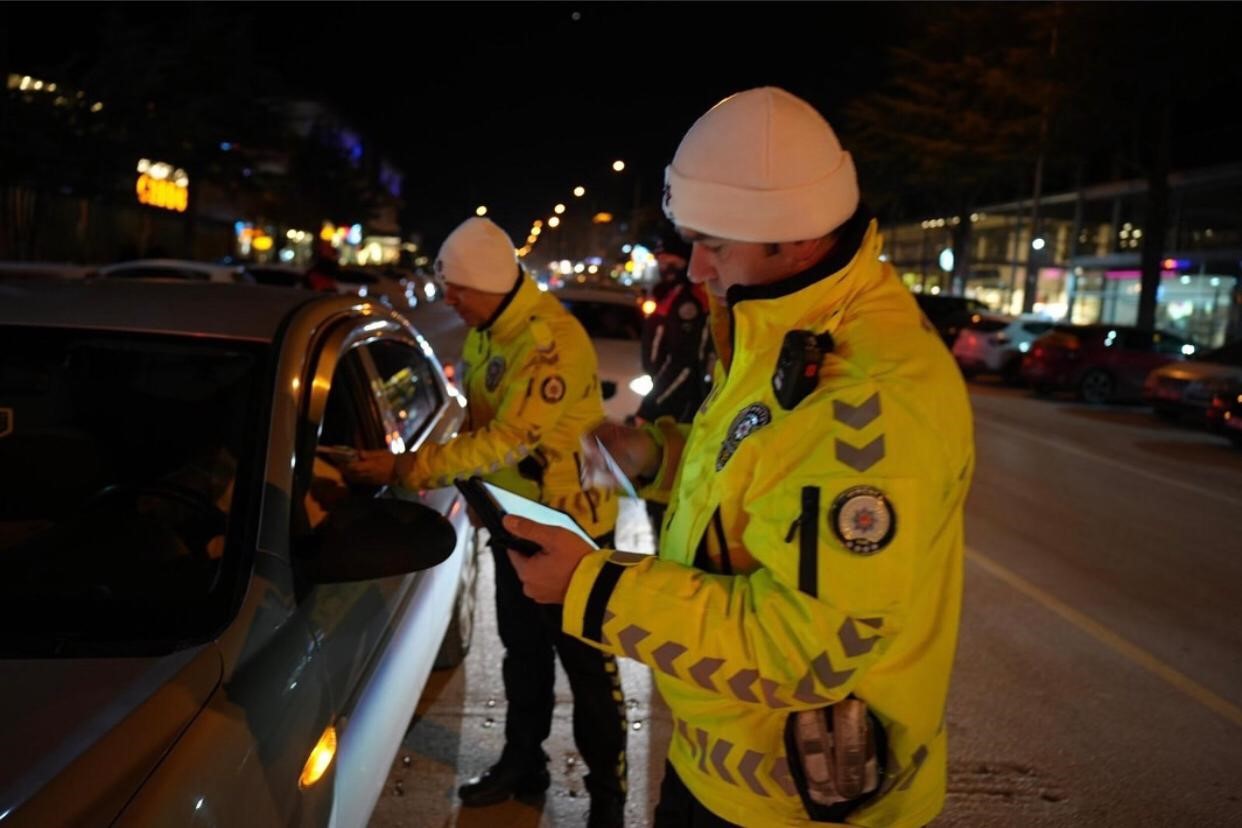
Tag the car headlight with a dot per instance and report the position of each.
(641, 385)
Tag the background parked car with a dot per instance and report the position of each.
(245, 639)
(1185, 389)
(994, 343)
(1224, 413)
(1101, 363)
(949, 314)
(179, 269)
(374, 282)
(613, 320)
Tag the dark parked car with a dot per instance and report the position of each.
(1101, 363)
(949, 314)
(199, 623)
(1224, 412)
(1185, 389)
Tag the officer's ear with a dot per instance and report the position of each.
(802, 254)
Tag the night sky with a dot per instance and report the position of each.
(513, 104)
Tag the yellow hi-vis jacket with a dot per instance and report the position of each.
(807, 554)
(532, 387)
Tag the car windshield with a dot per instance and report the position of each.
(125, 460)
(606, 320)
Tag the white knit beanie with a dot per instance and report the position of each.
(761, 166)
(479, 255)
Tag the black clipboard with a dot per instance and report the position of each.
(492, 515)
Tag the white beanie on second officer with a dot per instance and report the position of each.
(761, 166)
(479, 255)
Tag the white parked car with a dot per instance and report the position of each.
(614, 321)
(992, 343)
(175, 269)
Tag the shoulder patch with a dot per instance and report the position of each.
(863, 519)
(553, 389)
(747, 421)
(688, 310)
(495, 370)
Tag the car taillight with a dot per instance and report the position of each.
(1037, 352)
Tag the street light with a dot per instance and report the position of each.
(579, 192)
(618, 166)
(1037, 244)
(558, 209)
(480, 211)
(554, 222)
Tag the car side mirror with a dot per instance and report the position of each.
(608, 388)
(367, 538)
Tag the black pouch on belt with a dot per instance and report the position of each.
(836, 757)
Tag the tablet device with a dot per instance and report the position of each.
(491, 503)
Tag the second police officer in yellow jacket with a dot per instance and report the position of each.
(532, 388)
(801, 616)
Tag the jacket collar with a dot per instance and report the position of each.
(752, 322)
(515, 310)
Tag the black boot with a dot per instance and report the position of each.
(505, 780)
(606, 812)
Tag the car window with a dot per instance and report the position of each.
(606, 320)
(1165, 343)
(1037, 328)
(408, 383)
(1132, 339)
(349, 421)
(134, 455)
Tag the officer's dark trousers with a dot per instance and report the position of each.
(679, 809)
(531, 634)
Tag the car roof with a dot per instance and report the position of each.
(250, 312)
(182, 264)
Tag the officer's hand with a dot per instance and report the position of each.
(374, 467)
(634, 449)
(546, 574)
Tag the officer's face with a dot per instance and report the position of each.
(474, 307)
(719, 264)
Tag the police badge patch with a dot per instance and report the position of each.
(863, 520)
(553, 389)
(752, 417)
(495, 370)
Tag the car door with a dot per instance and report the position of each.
(380, 637)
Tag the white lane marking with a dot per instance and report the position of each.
(1110, 639)
(1099, 458)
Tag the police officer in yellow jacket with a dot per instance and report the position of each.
(801, 616)
(532, 388)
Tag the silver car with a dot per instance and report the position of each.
(201, 624)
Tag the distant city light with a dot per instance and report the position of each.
(1038, 243)
(579, 192)
(558, 209)
(480, 211)
(554, 222)
(618, 166)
